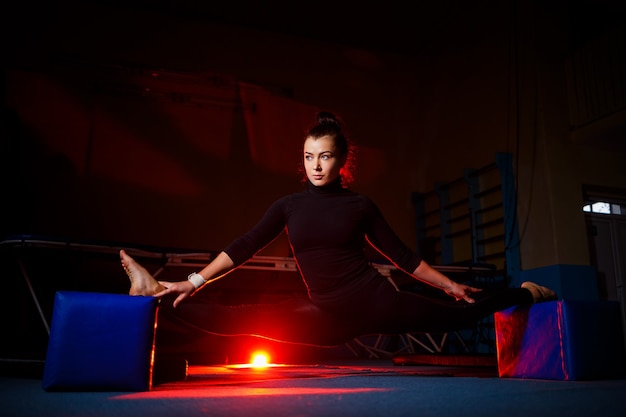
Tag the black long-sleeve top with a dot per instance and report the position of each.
(327, 229)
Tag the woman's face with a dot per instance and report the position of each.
(322, 160)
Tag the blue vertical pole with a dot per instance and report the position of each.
(504, 162)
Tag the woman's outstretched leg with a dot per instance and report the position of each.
(141, 281)
(428, 314)
(292, 320)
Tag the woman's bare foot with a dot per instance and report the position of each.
(141, 281)
(540, 294)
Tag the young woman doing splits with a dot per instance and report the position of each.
(329, 227)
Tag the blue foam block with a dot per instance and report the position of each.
(561, 340)
(100, 342)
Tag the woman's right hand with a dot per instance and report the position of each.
(184, 289)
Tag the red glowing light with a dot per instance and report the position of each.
(259, 360)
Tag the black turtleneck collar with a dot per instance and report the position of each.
(333, 187)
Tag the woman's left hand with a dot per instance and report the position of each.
(462, 292)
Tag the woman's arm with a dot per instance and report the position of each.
(384, 239)
(426, 273)
(216, 269)
(236, 253)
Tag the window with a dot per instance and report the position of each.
(603, 207)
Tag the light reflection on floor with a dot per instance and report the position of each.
(286, 380)
(242, 380)
(241, 392)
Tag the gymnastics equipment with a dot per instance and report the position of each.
(560, 340)
(100, 342)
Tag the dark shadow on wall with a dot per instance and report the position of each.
(160, 159)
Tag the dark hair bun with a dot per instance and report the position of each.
(327, 118)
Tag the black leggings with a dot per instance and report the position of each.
(377, 309)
